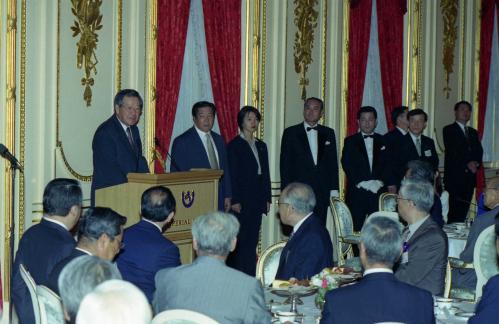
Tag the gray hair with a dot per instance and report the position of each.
(300, 196)
(382, 239)
(81, 276)
(421, 193)
(214, 233)
(111, 302)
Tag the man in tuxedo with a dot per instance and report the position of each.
(200, 147)
(463, 157)
(394, 138)
(487, 311)
(424, 258)
(157, 211)
(365, 161)
(308, 155)
(415, 145)
(379, 296)
(117, 149)
(100, 232)
(309, 249)
(207, 285)
(466, 278)
(45, 244)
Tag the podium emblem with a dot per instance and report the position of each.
(188, 198)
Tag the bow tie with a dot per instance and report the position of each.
(311, 128)
(368, 136)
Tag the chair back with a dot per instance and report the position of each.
(266, 267)
(387, 202)
(485, 258)
(343, 226)
(448, 280)
(51, 311)
(30, 283)
(182, 316)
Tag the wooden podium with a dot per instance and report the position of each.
(195, 192)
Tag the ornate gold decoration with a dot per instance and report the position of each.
(478, 19)
(11, 23)
(414, 41)
(449, 15)
(261, 126)
(89, 21)
(22, 117)
(150, 86)
(119, 37)
(306, 22)
(344, 87)
(324, 50)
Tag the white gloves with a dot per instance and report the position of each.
(371, 185)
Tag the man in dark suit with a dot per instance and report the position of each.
(466, 278)
(365, 161)
(309, 249)
(394, 138)
(487, 311)
(100, 232)
(308, 155)
(45, 244)
(463, 157)
(415, 145)
(117, 149)
(424, 259)
(200, 147)
(207, 285)
(157, 210)
(379, 296)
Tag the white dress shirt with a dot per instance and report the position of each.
(312, 141)
(369, 142)
(377, 270)
(202, 135)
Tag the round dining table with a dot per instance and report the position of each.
(457, 234)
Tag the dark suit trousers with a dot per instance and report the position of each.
(459, 199)
(361, 203)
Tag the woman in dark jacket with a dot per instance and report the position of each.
(249, 169)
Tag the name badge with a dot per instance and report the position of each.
(405, 257)
(427, 153)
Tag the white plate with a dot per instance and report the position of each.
(464, 314)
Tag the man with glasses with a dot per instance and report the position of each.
(424, 258)
(100, 234)
(466, 278)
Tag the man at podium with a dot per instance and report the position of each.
(117, 148)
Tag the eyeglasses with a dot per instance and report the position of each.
(402, 198)
(279, 203)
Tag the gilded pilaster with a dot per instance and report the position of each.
(478, 27)
(414, 66)
(150, 96)
(449, 10)
(119, 38)
(344, 87)
(22, 117)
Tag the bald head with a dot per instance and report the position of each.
(491, 193)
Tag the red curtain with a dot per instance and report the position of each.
(391, 52)
(486, 32)
(360, 27)
(173, 17)
(222, 22)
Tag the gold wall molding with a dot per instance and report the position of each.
(305, 21)
(344, 88)
(324, 50)
(119, 38)
(89, 21)
(150, 86)
(449, 10)
(478, 30)
(263, 52)
(414, 60)
(22, 118)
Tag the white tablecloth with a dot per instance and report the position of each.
(457, 236)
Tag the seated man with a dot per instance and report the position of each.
(379, 296)
(45, 244)
(424, 259)
(157, 210)
(487, 311)
(81, 276)
(466, 278)
(207, 285)
(100, 233)
(309, 249)
(110, 303)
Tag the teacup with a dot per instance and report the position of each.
(286, 317)
(443, 303)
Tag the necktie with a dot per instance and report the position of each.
(311, 128)
(212, 157)
(368, 136)
(130, 138)
(418, 145)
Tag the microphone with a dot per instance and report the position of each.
(4, 152)
(172, 160)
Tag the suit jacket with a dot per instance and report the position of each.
(356, 164)
(378, 297)
(113, 156)
(248, 189)
(393, 140)
(56, 271)
(188, 152)
(40, 249)
(427, 258)
(307, 252)
(140, 268)
(297, 163)
(408, 152)
(460, 150)
(210, 287)
(487, 310)
(466, 278)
